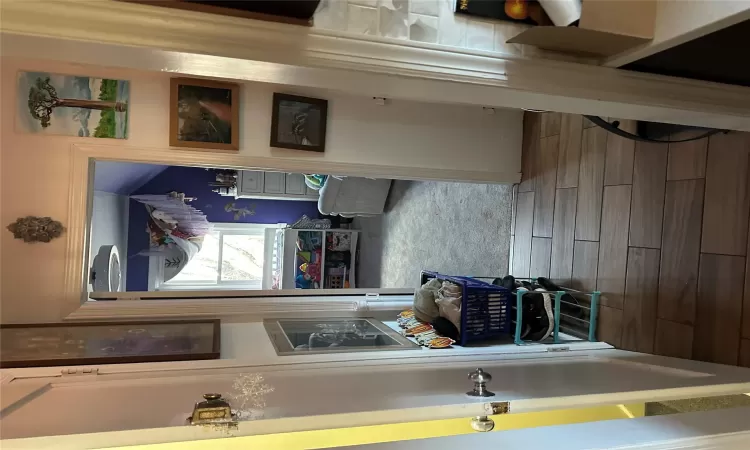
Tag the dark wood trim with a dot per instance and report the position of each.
(209, 9)
(323, 104)
(174, 120)
(215, 352)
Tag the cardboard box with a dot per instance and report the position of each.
(606, 28)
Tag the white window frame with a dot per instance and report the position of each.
(156, 263)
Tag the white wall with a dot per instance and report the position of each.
(34, 179)
(36, 169)
(109, 226)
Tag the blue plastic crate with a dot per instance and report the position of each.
(485, 308)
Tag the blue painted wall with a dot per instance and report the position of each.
(193, 182)
(123, 178)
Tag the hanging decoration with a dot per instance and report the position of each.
(239, 213)
(36, 229)
(176, 230)
(249, 396)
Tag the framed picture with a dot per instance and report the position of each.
(299, 122)
(70, 105)
(204, 114)
(68, 344)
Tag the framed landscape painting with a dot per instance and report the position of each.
(204, 114)
(76, 343)
(72, 105)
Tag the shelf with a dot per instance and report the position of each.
(323, 263)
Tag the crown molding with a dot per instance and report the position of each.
(151, 38)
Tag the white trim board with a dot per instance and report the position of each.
(255, 293)
(254, 308)
(417, 359)
(159, 39)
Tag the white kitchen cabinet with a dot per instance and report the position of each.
(295, 184)
(275, 183)
(274, 186)
(250, 181)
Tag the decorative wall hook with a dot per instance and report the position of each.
(36, 229)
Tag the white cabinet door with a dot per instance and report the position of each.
(251, 182)
(274, 183)
(386, 391)
(295, 184)
(312, 192)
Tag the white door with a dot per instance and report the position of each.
(346, 394)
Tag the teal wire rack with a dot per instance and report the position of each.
(589, 324)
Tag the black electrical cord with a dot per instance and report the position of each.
(614, 128)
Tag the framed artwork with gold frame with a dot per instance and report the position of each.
(78, 343)
(204, 114)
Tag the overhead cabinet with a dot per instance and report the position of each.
(274, 186)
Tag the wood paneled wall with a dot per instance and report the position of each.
(660, 229)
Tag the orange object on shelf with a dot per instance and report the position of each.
(517, 9)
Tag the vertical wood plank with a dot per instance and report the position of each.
(727, 203)
(745, 353)
(609, 326)
(585, 264)
(532, 124)
(746, 296)
(639, 311)
(647, 207)
(678, 270)
(522, 241)
(544, 187)
(540, 257)
(674, 339)
(513, 204)
(687, 160)
(620, 153)
(590, 183)
(561, 268)
(569, 155)
(613, 245)
(719, 308)
(551, 123)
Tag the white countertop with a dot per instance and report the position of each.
(249, 342)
